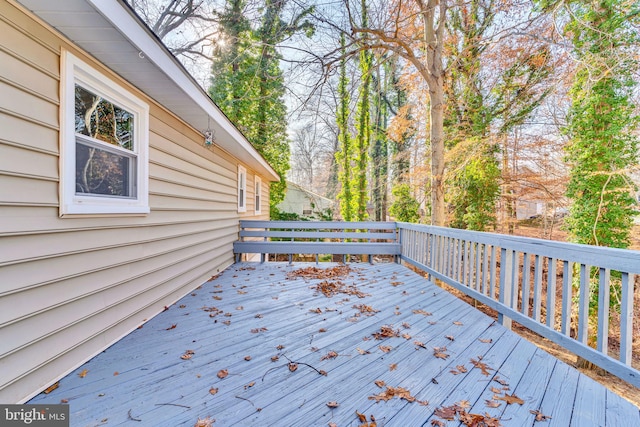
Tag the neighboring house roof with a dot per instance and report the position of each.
(309, 193)
(110, 31)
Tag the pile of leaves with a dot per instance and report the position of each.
(331, 288)
(320, 273)
(399, 392)
(459, 409)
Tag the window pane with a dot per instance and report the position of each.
(103, 172)
(102, 120)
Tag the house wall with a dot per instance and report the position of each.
(70, 287)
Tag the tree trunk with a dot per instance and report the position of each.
(436, 92)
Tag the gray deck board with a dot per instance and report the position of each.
(142, 377)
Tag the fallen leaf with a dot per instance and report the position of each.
(393, 366)
(392, 392)
(439, 352)
(280, 347)
(385, 348)
(539, 415)
(464, 404)
(187, 355)
(363, 352)
(461, 368)
(52, 387)
(251, 384)
(406, 336)
(239, 307)
(486, 340)
(213, 390)
(406, 325)
(510, 399)
(420, 344)
(171, 327)
(437, 423)
(333, 425)
(446, 413)
(424, 313)
(247, 358)
(331, 355)
(205, 422)
(222, 373)
(492, 403)
(116, 373)
(386, 331)
(322, 330)
(316, 310)
(333, 404)
(361, 417)
(458, 323)
(227, 322)
(450, 337)
(217, 297)
(379, 383)
(484, 369)
(83, 373)
(275, 358)
(258, 330)
(293, 366)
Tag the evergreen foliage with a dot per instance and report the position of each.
(405, 207)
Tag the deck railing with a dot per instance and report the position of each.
(522, 279)
(525, 279)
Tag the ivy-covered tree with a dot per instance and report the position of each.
(248, 85)
(603, 145)
(345, 153)
(363, 125)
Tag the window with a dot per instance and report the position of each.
(104, 144)
(242, 189)
(258, 194)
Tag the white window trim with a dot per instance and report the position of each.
(73, 71)
(242, 189)
(258, 194)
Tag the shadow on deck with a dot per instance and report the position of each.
(224, 352)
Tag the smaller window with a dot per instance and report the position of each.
(242, 189)
(258, 194)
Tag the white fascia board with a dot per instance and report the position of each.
(121, 18)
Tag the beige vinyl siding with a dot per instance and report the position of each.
(70, 287)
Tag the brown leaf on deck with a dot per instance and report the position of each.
(379, 383)
(333, 404)
(392, 392)
(316, 310)
(280, 347)
(366, 309)
(363, 352)
(450, 337)
(492, 403)
(83, 373)
(331, 355)
(386, 331)
(393, 366)
(446, 413)
(406, 325)
(486, 340)
(171, 327)
(385, 348)
(258, 330)
(222, 373)
(478, 420)
(293, 367)
(420, 344)
(275, 358)
(510, 399)
(251, 384)
(439, 352)
(52, 387)
(437, 423)
(484, 368)
(424, 313)
(213, 390)
(406, 336)
(539, 415)
(458, 323)
(205, 422)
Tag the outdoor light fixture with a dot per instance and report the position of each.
(209, 135)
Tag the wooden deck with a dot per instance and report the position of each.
(251, 320)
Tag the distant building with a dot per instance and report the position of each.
(305, 203)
